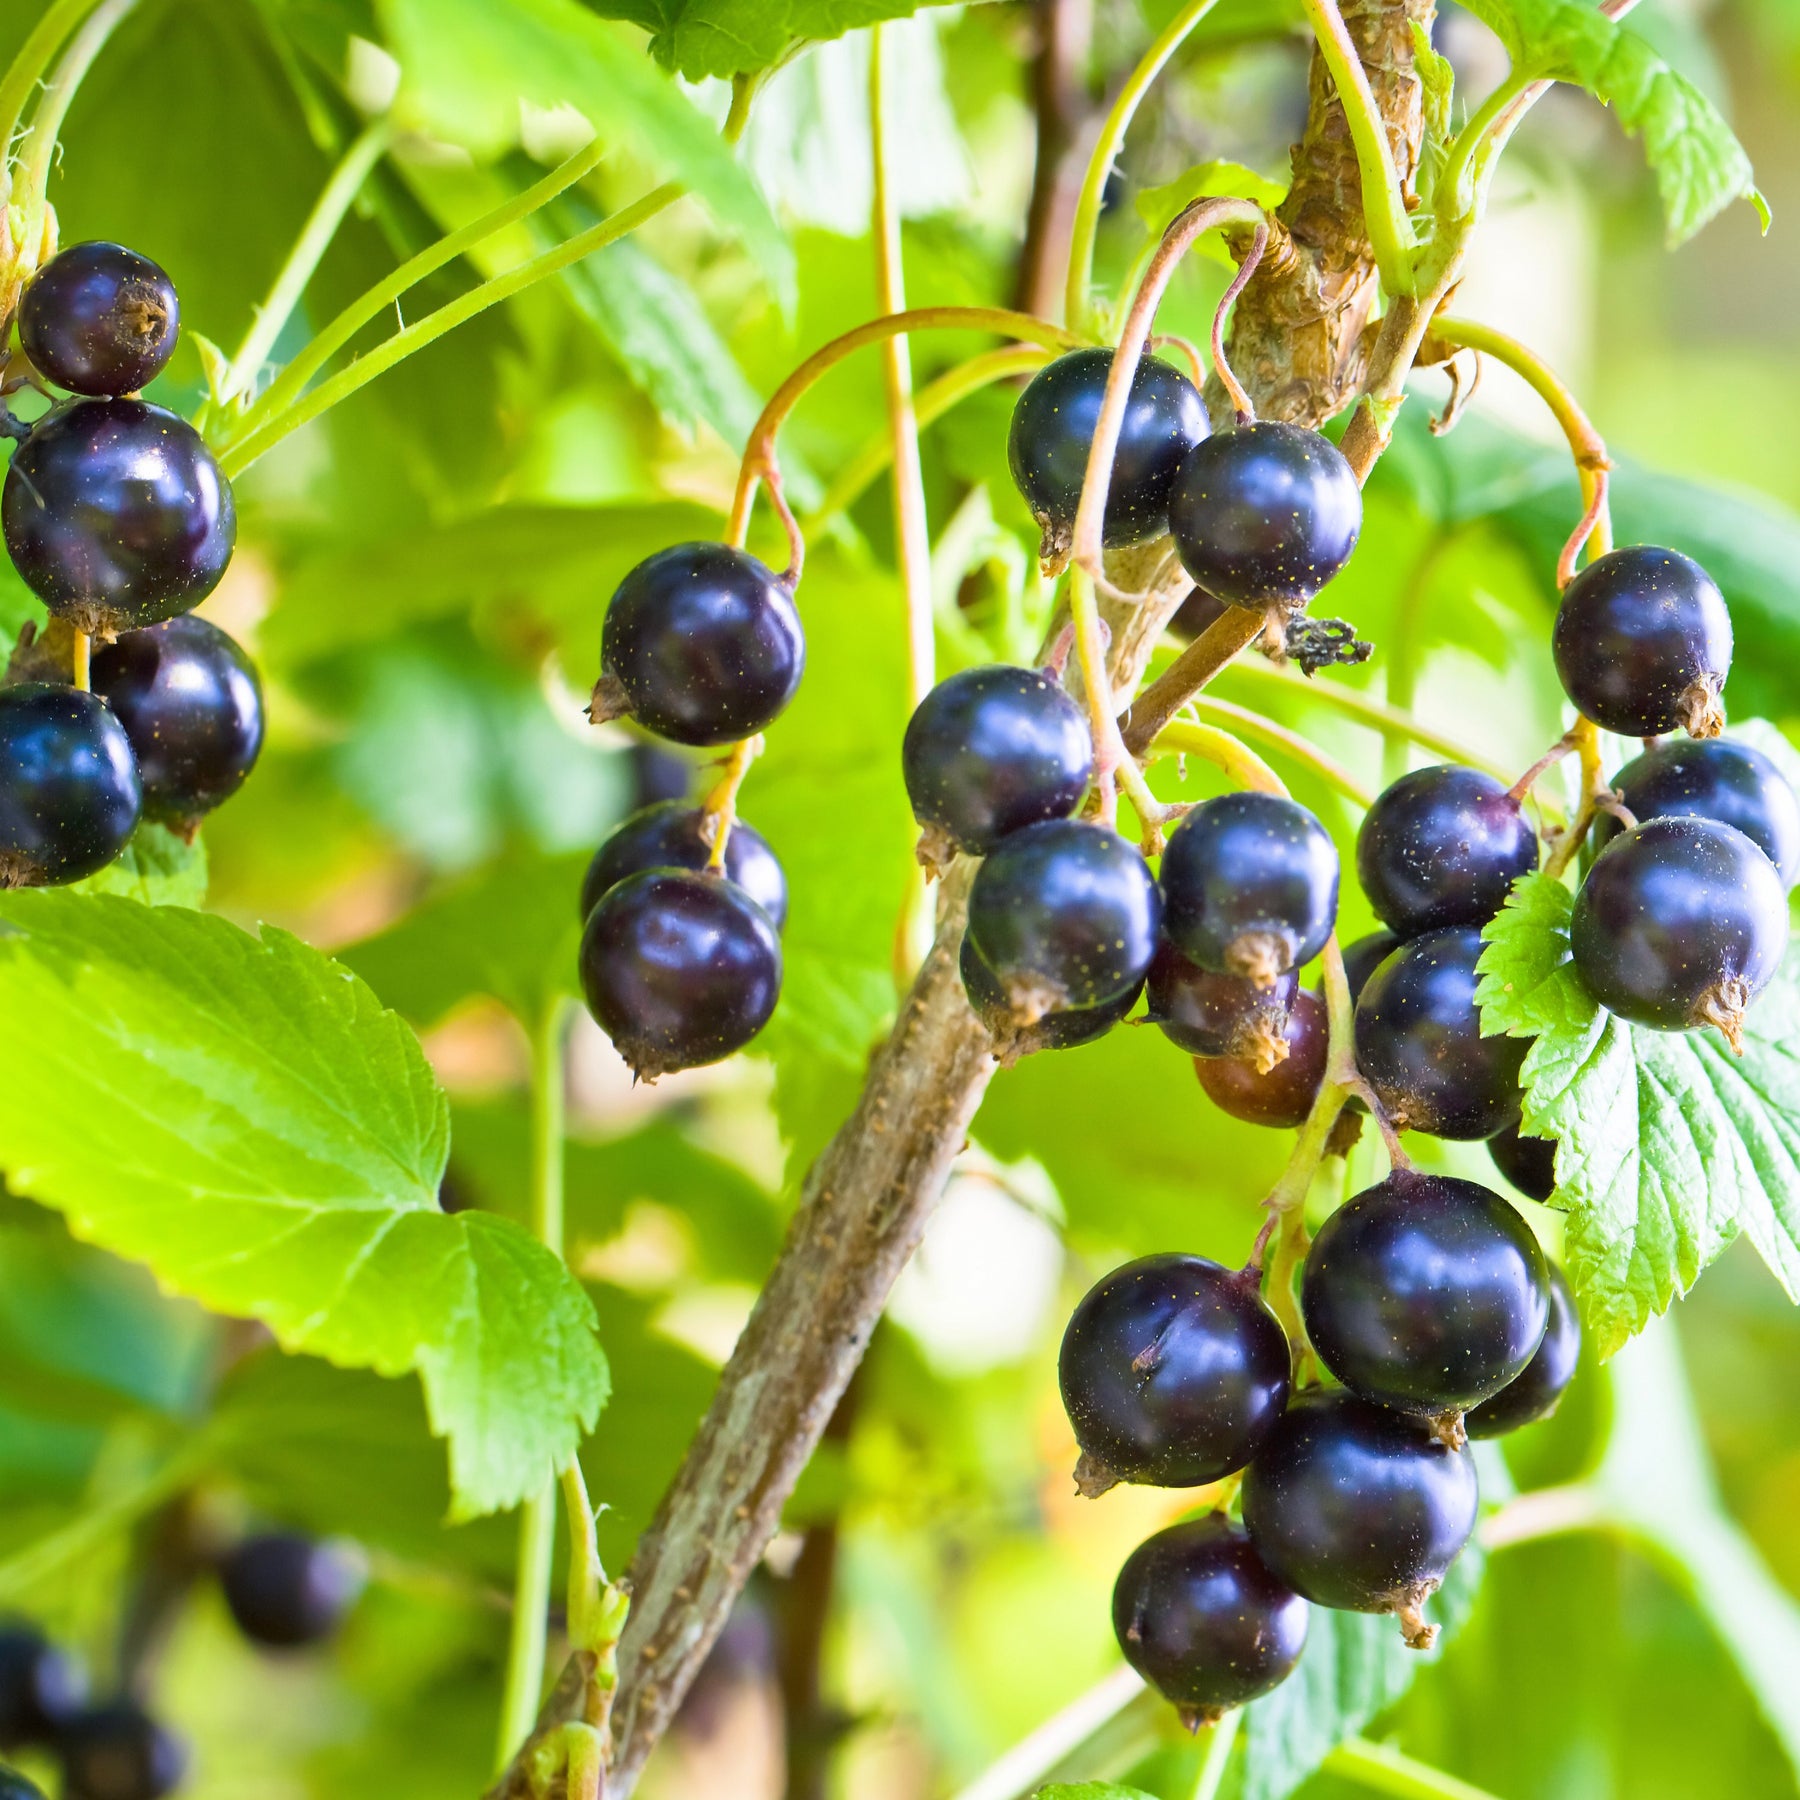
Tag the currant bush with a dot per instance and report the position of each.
(667, 836)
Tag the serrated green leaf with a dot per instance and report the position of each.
(1090, 1790)
(242, 1116)
(158, 867)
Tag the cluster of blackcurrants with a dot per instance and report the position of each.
(284, 1591)
(120, 521)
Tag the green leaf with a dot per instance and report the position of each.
(241, 1115)
(1668, 1145)
(1090, 1790)
(1158, 206)
(158, 867)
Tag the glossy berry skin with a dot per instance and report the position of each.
(1064, 915)
(1364, 957)
(1718, 779)
(703, 643)
(1643, 643)
(116, 514)
(1250, 886)
(41, 1688)
(1062, 1029)
(1203, 1621)
(1538, 1392)
(1359, 1507)
(1426, 1293)
(1268, 512)
(1218, 1015)
(286, 1590)
(990, 751)
(118, 1752)
(1173, 1371)
(99, 319)
(69, 791)
(192, 706)
(1442, 846)
(1053, 427)
(1679, 923)
(1419, 1042)
(1280, 1096)
(667, 836)
(1529, 1163)
(14, 1786)
(679, 969)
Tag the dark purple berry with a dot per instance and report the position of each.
(1250, 886)
(99, 319)
(286, 1590)
(1538, 1392)
(1358, 1507)
(118, 1752)
(1425, 1292)
(1266, 513)
(14, 1786)
(1419, 1042)
(1172, 1371)
(679, 969)
(702, 645)
(69, 792)
(1442, 846)
(1680, 923)
(1207, 1014)
(667, 836)
(1280, 1095)
(1200, 1618)
(116, 514)
(1063, 1028)
(1364, 957)
(191, 704)
(656, 774)
(1529, 1163)
(1053, 428)
(41, 1688)
(1643, 643)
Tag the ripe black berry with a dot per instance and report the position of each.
(1364, 957)
(41, 1688)
(1053, 428)
(1426, 1293)
(285, 1590)
(1250, 884)
(1207, 1014)
(1529, 1163)
(191, 704)
(1537, 1393)
(702, 645)
(1681, 922)
(1064, 915)
(69, 793)
(667, 836)
(99, 319)
(1359, 1507)
(118, 1752)
(1643, 643)
(1717, 779)
(14, 1786)
(116, 514)
(1442, 846)
(990, 751)
(1268, 512)
(1173, 1371)
(679, 969)
(1200, 1618)
(1419, 1042)
(1282, 1094)
(1060, 1029)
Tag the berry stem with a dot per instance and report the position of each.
(81, 652)
(1448, 195)
(1521, 789)
(1586, 741)
(1222, 750)
(1300, 749)
(1240, 401)
(719, 812)
(1389, 1771)
(1144, 720)
(25, 71)
(1114, 765)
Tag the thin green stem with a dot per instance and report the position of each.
(1113, 763)
(1112, 138)
(27, 69)
(1548, 1512)
(1218, 1755)
(1390, 1771)
(1222, 750)
(1447, 197)
(1296, 747)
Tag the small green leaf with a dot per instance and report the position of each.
(158, 867)
(1158, 207)
(1090, 1790)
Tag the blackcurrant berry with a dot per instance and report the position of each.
(1364, 957)
(1419, 1042)
(1281, 1095)
(1717, 779)
(117, 515)
(1173, 1371)
(1426, 1293)
(1679, 923)
(988, 752)
(1538, 1392)
(118, 1752)
(41, 1688)
(99, 319)
(1250, 886)
(1064, 915)
(14, 1786)
(1643, 643)
(1207, 1014)
(69, 792)
(667, 836)
(1358, 1507)
(191, 704)
(286, 1590)
(1061, 1029)
(1529, 1163)
(679, 969)
(1265, 513)
(1053, 428)
(702, 645)
(1442, 846)
(1200, 1618)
